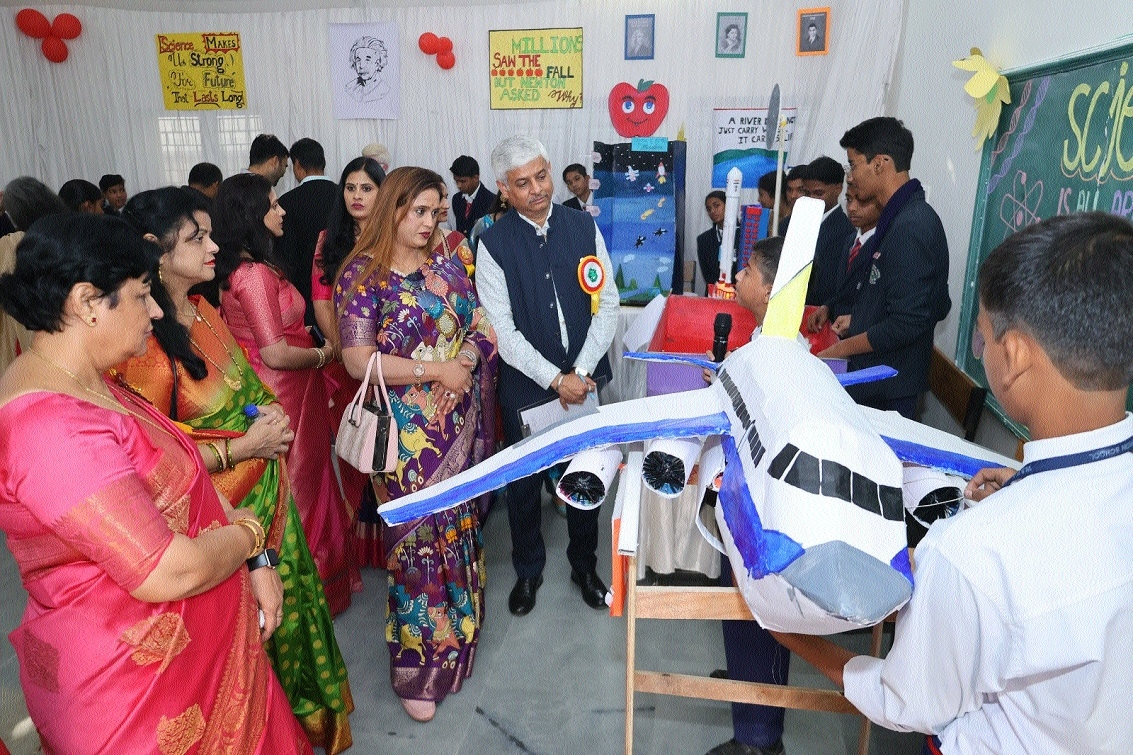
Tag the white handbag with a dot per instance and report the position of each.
(367, 434)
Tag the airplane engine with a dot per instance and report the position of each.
(668, 464)
(587, 478)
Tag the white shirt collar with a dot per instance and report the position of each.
(864, 236)
(1087, 441)
(472, 196)
(315, 178)
(539, 229)
(829, 212)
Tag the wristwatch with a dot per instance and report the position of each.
(419, 370)
(581, 372)
(268, 557)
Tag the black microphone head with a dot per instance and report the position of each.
(723, 325)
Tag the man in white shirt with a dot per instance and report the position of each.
(552, 341)
(1019, 634)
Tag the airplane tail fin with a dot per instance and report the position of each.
(788, 295)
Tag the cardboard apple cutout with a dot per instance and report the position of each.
(638, 111)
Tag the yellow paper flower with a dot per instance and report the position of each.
(988, 87)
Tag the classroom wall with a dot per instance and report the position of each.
(100, 111)
(927, 93)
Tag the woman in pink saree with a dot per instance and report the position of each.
(265, 314)
(141, 632)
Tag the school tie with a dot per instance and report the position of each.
(857, 247)
(467, 208)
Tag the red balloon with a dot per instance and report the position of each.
(428, 43)
(446, 60)
(54, 49)
(33, 23)
(66, 26)
(444, 44)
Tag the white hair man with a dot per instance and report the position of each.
(551, 345)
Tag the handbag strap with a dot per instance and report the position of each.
(384, 401)
(355, 406)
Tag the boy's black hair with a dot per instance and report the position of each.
(309, 154)
(765, 255)
(109, 180)
(578, 168)
(1068, 282)
(827, 170)
(881, 136)
(265, 147)
(464, 167)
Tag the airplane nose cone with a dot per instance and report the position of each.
(832, 574)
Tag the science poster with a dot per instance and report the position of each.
(740, 141)
(535, 69)
(201, 71)
(640, 212)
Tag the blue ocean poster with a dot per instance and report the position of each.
(740, 141)
(640, 199)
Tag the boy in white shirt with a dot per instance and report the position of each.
(1019, 634)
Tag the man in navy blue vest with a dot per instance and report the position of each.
(551, 346)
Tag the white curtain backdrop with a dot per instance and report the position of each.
(101, 111)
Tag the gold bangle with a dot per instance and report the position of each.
(322, 358)
(228, 454)
(215, 452)
(259, 537)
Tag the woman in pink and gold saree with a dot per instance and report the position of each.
(141, 632)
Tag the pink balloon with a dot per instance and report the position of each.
(66, 26)
(446, 60)
(33, 23)
(428, 43)
(54, 49)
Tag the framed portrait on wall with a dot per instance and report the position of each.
(813, 31)
(731, 35)
(639, 37)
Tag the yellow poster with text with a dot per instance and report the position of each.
(201, 71)
(535, 69)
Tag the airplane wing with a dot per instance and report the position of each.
(697, 413)
(929, 447)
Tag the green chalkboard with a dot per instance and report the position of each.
(1064, 144)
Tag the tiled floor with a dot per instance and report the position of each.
(550, 682)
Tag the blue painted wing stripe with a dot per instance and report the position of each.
(946, 461)
(868, 375)
(712, 424)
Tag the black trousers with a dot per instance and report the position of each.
(525, 517)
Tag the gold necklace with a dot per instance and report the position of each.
(234, 383)
(107, 399)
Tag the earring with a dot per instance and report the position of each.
(159, 276)
(92, 320)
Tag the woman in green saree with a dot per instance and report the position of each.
(196, 373)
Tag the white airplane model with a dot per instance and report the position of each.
(810, 508)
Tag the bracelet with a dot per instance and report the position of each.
(467, 353)
(259, 536)
(557, 382)
(322, 359)
(216, 452)
(228, 454)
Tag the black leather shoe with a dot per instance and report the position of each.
(522, 598)
(593, 591)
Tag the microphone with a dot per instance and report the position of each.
(722, 327)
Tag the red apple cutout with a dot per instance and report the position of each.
(638, 111)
